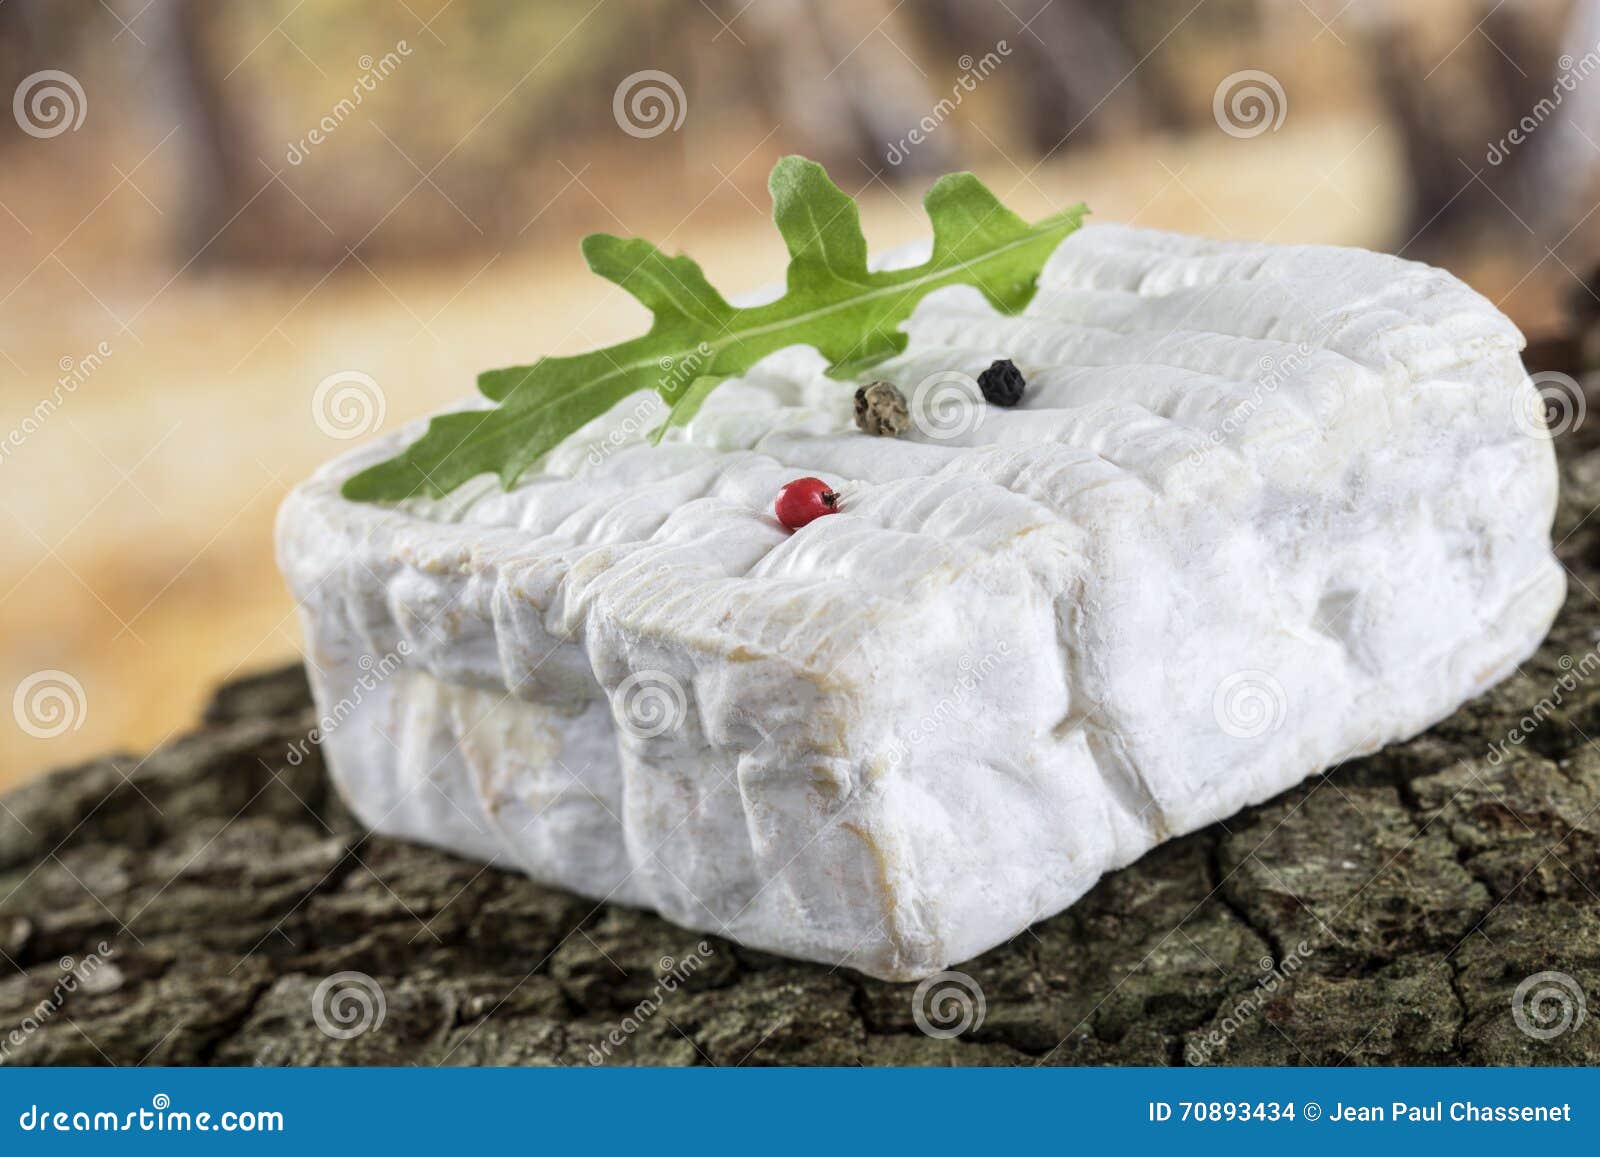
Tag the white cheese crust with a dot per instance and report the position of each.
(1262, 508)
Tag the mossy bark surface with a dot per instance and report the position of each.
(1386, 913)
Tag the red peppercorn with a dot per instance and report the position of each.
(804, 500)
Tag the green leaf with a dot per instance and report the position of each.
(833, 303)
(687, 406)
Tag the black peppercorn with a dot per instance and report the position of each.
(1002, 383)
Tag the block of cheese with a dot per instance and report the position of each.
(1261, 509)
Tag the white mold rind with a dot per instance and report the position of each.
(1263, 509)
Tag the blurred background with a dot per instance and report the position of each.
(234, 238)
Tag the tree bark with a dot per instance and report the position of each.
(1383, 914)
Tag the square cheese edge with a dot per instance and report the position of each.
(1262, 509)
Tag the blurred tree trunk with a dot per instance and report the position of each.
(39, 34)
(1454, 113)
(1434, 177)
(841, 99)
(22, 40)
(184, 85)
(1563, 166)
(1077, 73)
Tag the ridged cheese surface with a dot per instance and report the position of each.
(1261, 508)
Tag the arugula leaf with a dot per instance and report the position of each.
(687, 406)
(697, 339)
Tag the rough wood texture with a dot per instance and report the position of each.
(1426, 884)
